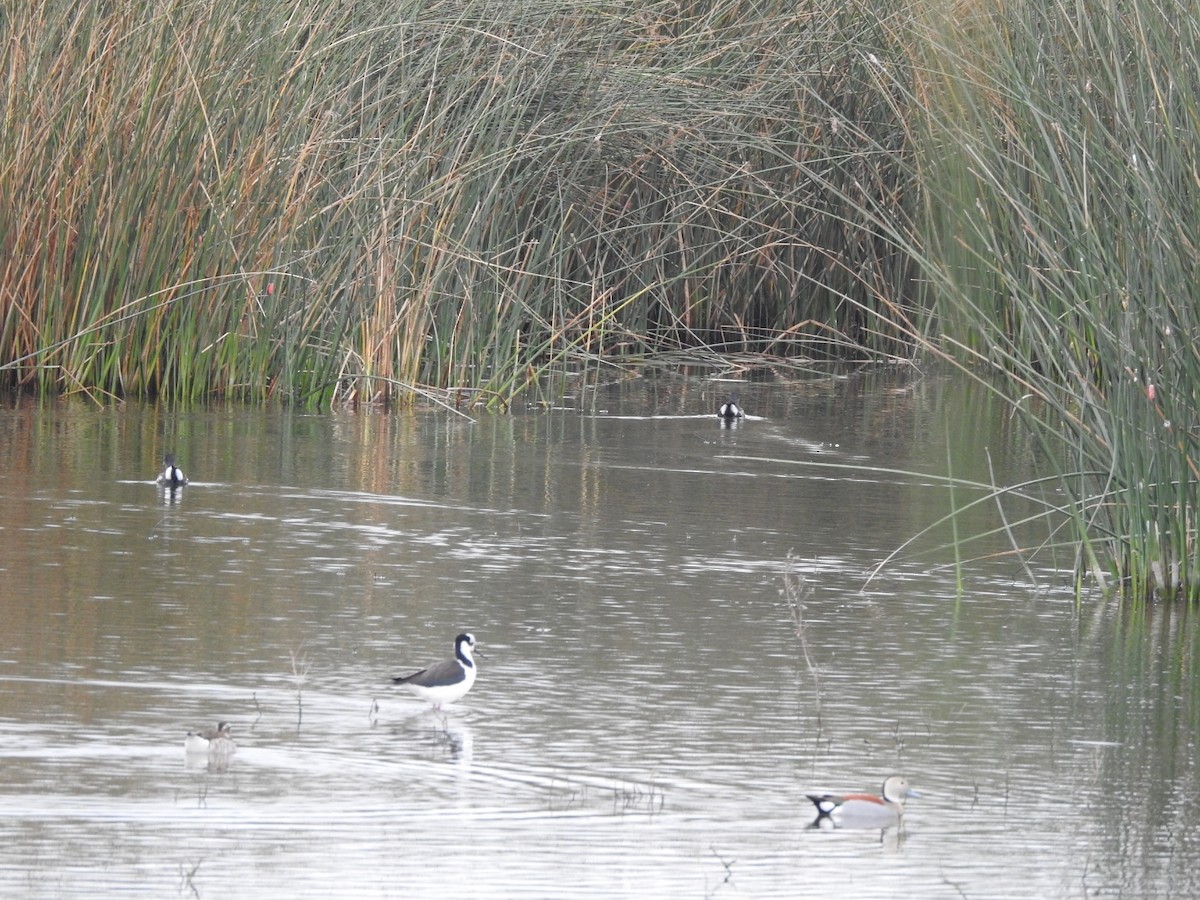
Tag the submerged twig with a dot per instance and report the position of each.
(300, 667)
(187, 877)
(728, 864)
(795, 590)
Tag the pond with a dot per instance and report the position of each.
(681, 633)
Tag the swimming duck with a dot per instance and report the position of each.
(730, 410)
(446, 681)
(865, 810)
(172, 476)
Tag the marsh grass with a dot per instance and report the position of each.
(1060, 171)
(338, 202)
(330, 202)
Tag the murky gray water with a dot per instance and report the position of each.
(647, 718)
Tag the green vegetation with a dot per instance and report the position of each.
(356, 201)
(1060, 168)
(335, 203)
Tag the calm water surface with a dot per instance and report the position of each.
(649, 713)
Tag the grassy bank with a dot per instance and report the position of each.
(338, 201)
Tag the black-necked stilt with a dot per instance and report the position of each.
(865, 810)
(211, 741)
(446, 681)
(730, 410)
(172, 476)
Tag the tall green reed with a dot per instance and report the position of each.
(1060, 167)
(341, 202)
